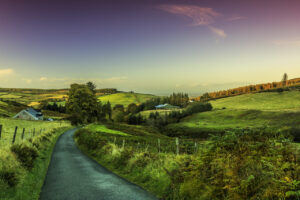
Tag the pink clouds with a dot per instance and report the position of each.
(219, 32)
(199, 15)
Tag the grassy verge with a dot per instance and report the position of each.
(31, 181)
(247, 164)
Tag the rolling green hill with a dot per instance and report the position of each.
(289, 100)
(125, 98)
(272, 109)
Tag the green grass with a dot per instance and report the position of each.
(288, 100)
(228, 118)
(125, 98)
(272, 109)
(146, 113)
(103, 129)
(10, 124)
(32, 182)
(10, 96)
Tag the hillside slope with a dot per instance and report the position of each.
(125, 98)
(273, 110)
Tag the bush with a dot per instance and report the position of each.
(10, 169)
(197, 107)
(25, 154)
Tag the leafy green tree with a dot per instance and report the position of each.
(118, 115)
(132, 108)
(92, 86)
(284, 79)
(82, 105)
(119, 107)
(107, 110)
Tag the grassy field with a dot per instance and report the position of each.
(273, 110)
(125, 98)
(28, 182)
(288, 100)
(146, 113)
(103, 129)
(32, 97)
(8, 128)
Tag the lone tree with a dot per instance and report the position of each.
(83, 105)
(284, 79)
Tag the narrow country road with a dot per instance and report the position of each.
(74, 176)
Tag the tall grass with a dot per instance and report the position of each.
(32, 128)
(245, 164)
(23, 165)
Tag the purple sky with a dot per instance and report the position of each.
(148, 46)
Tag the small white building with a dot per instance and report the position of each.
(29, 114)
(166, 107)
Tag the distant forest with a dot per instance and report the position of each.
(274, 86)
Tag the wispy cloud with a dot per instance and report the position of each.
(235, 18)
(289, 43)
(200, 16)
(6, 72)
(219, 32)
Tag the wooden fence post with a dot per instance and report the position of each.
(177, 146)
(23, 133)
(14, 138)
(33, 132)
(158, 145)
(123, 146)
(0, 130)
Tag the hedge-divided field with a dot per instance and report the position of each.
(245, 164)
(23, 165)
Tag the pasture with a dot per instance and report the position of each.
(125, 98)
(270, 109)
(288, 100)
(31, 128)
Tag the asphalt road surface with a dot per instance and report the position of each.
(74, 176)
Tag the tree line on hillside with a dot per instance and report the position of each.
(250, 89)
(84, 107)
(176, 99)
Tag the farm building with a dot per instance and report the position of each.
(166, 107)
(29, 114)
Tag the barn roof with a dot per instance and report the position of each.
(36, 113)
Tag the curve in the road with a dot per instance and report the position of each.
(74, 176)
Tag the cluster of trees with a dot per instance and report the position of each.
(175, 99)
(83, 105)
(250, 89)
(107, 91)
(155, 119)
(54, 107)
(129, 115)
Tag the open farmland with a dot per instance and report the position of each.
(125, 98)
(264, 110)
(31, 128)
(288, 100)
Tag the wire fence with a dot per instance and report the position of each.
(18, 134)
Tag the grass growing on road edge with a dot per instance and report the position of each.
(246, 164)
(31, 181)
